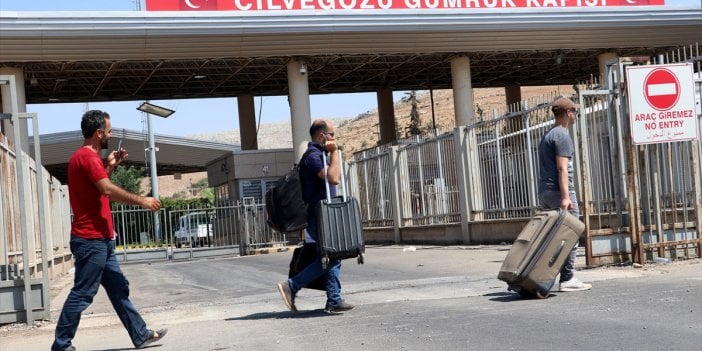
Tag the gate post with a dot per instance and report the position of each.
(395, 197)
(634, 204)
(697, 187)
(586, 182)
(463, 176)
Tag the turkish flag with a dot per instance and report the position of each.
(198, 5)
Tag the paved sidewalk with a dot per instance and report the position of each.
(226, 302)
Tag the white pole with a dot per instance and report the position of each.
(154, 176)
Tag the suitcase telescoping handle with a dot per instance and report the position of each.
(341, 169)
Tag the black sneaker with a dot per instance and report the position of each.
(338, 308)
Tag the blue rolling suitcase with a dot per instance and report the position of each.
(339, 223)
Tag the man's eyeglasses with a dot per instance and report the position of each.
(329, 134)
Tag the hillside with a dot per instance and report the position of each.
(361, 132)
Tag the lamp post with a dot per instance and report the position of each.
(151, 109)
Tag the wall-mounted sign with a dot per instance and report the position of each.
(661, 103)
(290, 5)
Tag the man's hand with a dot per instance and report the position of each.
(566, 204)
(330, 146)
(116, 157)
(150, 203)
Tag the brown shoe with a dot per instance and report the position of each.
(153, 337)
(286, 293)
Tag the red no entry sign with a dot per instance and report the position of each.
(661, 103)
(661, 89)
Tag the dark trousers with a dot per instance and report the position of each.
(95, 265)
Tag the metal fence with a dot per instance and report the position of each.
(425, 170)
(428, 183)
(638, 202)
(193, 231)
(34, 235)
(507, 154)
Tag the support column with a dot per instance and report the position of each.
(513, 97)
(247, 122)
(386, 116)
(299, 99)
(462, 91)
(20, 105)
(396, 194)
(603, 59)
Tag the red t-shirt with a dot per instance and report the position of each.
(92, 218)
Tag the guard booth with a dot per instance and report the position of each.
(640, 136)
(240, 181)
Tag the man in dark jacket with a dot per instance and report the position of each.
(313, 188)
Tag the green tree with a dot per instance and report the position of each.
(414, 127)
(128, 178)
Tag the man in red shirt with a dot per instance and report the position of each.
(92, 235)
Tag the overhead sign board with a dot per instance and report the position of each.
(312, 5)
(661, 103)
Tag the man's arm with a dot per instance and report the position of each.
(334, 170)
(562, 166)
(115, 193)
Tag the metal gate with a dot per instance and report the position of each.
(642, 202)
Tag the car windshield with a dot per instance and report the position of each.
(197, 219)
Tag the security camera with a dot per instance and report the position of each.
(303, 69)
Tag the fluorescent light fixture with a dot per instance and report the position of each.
(155, 110)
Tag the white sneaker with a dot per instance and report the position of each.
(573, 285)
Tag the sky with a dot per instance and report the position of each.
(212, 115)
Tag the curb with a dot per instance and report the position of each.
(267, 250)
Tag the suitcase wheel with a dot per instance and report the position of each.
(531, 295)
(361, 259)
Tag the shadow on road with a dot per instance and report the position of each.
(284, 314)
(510, 297)
(504, 296)
(129, 348)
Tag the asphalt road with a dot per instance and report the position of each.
(434, 298)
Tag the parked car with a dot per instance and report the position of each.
(194, 229)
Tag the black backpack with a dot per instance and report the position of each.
(285, 206)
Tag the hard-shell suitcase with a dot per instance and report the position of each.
(340, 234)
(536, 257)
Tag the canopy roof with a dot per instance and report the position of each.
(113, 56)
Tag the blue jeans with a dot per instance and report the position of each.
(551, 200)
(315, 270)
(95, 264)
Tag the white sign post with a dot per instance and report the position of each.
(661, 103)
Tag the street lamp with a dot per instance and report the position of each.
(151, 109)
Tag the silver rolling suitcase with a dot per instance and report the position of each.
(340, 234)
